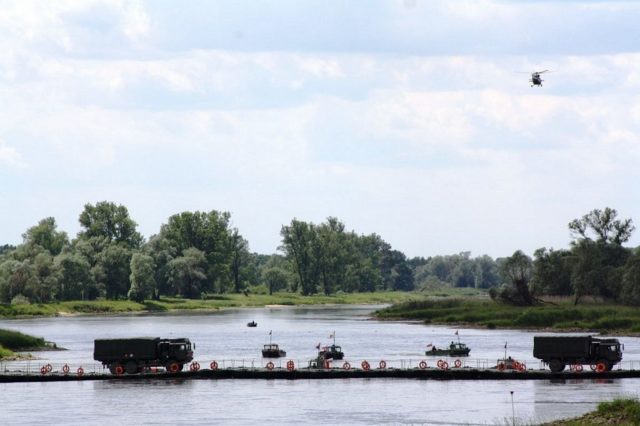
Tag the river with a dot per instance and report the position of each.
(223, 336)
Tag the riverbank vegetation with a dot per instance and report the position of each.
(561, 315)
(14, 341)
(199, 255)
(622, 411)
(208, 302)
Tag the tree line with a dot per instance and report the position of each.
(196, 254)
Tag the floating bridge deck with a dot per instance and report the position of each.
(279, 373)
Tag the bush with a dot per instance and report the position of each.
(16, 341)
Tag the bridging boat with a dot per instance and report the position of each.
(272, 350)
(454, 349)
(331, 352)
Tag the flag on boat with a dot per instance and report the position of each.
(505, 345)
(456, 333)
(429, 345)
(318, 346)
(270, 332)
(332, 334)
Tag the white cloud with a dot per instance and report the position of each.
(10, 157)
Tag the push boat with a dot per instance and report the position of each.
(272, 350)
(454, 349)
(252, 324)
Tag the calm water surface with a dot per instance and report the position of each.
(223, 336)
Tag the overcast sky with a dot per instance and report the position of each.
(405, 118)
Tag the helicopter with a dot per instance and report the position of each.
(536, 79)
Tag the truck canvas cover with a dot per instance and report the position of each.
(115, 349)
(561, 346)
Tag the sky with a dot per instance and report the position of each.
(411, 119)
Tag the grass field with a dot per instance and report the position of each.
(210, 302)
(625, 411)
(562, 315)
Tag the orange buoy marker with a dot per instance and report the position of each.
(439, 364)
(195, 366)
(291, 365)
(65, 369)
(43, 370)
(382, 365)
(346, 366)
(423, 364)
(578, 368)
(457, 364)
(119, 370)
(444, 365)
(213, 365)
(270, 366)
(365, 365)
(80, 371)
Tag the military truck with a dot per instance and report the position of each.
(560, 351)
(136, 355)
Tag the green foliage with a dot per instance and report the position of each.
(629, 408)
(16, 341)
(482, 312)
(111, 222)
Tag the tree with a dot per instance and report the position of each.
(110, 221)
(45, 235)
(210, 234)
(75, 282)
(143, 283)
(239, 258)
(604, 225)
(113, 270)
(631, 281)
(297, 244)
(551, 272)
(517, 271)
(275, 278)
(186, 274)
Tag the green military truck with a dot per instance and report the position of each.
(136, 355)
(560, 351)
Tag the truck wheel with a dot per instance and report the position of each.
(116, 369)
(131, 367)
(173, 367)
(556, 366)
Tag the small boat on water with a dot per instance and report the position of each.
(272, 350)
(252, 324)
(454, 349)
(331, 352)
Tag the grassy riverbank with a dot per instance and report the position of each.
(211, 302)
(562, 315)
(14, 341)
(616, 412)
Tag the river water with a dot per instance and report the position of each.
(224, 337)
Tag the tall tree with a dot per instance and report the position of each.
(110, 221)
(605, 225)
(143, 283)
(517, 270)
(239, 248)
(45, 235)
